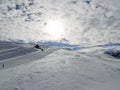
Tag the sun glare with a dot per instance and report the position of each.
(55, 29)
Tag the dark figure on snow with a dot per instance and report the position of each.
(38, 47)
(3, 65)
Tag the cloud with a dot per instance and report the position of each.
(85, 24)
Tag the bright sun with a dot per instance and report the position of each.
(55, 29)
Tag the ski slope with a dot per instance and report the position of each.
(17, 54)
(58, 69)
(90, 35)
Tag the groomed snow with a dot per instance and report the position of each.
(61, 69)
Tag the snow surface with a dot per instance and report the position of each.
(91, 28)
(58, 69)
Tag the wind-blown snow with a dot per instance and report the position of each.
(87, 22)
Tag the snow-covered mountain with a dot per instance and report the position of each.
(87, 30)
(86, 22)
(23, 67)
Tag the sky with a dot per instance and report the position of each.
(80, 22)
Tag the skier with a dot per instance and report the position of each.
(3, 65)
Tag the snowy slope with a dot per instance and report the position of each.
(86, 22)
(92, 26)
(62, 69)
(11, 53)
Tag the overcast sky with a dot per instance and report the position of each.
(85, 22)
